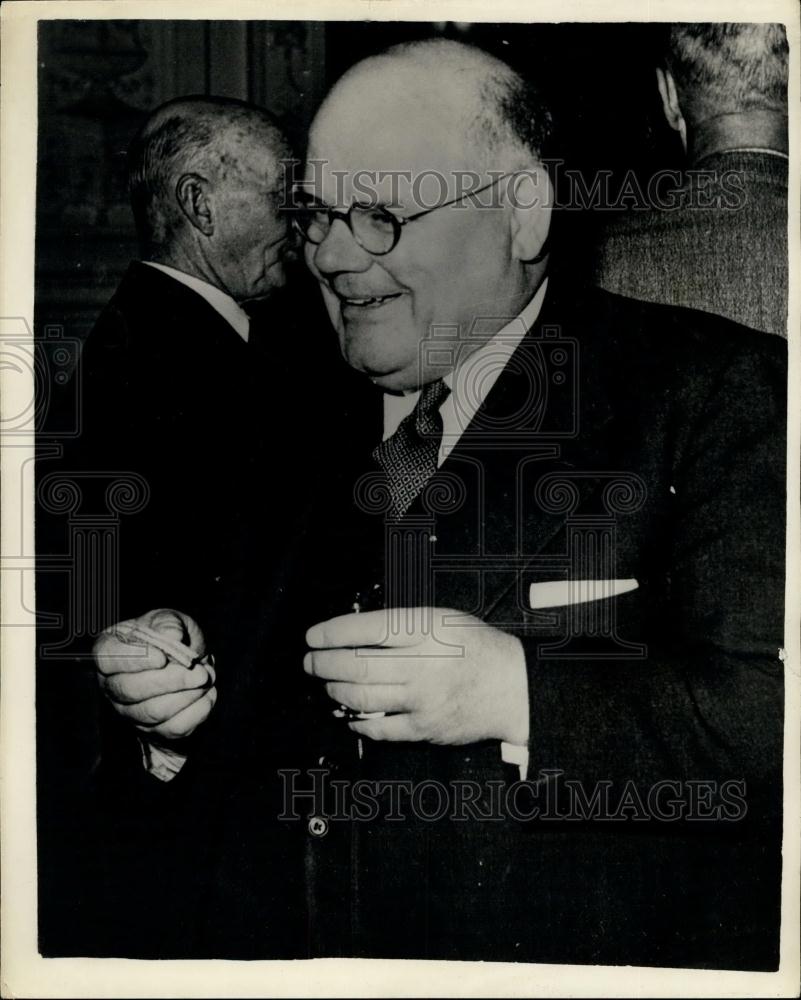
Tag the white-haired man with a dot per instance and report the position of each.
(718, 240)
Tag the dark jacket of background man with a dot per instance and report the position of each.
(200, 414)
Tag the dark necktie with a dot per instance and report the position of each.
(409, 457)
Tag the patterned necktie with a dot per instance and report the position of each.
(409, 456)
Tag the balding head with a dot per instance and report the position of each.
(206, 177)
(484, 114)
(448, 140)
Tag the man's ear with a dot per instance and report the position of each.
(670, 102)
(192, 192)
(532, 201)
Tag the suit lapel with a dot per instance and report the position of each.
(499, 502)
(518, 472)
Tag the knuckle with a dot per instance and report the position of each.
(169, 731)
(173, 729)
(104, 661)
(183, 700)
(147, 714)
(163, 686)
(114, 691)
(108, 639)
(203, 714)
(181, 679)
(131, 691)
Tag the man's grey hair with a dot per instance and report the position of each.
(725, 68)
(210, 136)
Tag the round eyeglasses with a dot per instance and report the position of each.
(374, 228)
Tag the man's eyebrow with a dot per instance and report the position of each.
(373, 203)
(312, 199)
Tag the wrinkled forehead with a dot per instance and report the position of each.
(378, 143)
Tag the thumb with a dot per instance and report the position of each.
(177, 626)
(168, 622)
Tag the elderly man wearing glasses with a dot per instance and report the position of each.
(573, 508)
(542, 604)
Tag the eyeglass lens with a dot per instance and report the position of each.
(373, 228)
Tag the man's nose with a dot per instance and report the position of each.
(339, 251)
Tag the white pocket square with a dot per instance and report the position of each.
(559, 593)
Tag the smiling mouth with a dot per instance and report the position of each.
(370, 301)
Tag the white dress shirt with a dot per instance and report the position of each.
(468, 391)
(220, 301)
(470, 382)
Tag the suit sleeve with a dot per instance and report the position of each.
(707, 700)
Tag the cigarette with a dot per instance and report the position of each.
(185, 656)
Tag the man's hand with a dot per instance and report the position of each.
(447, 677)
(161, 698)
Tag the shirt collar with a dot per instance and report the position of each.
(468, 391)
(757, 130)
(219, 300)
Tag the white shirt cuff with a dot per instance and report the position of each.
(512, 753)
(162, 763)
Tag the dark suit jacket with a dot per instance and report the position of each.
(719, 243)
(173, 395)
(623, 441)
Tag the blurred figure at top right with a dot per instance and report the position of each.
(718, 242)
